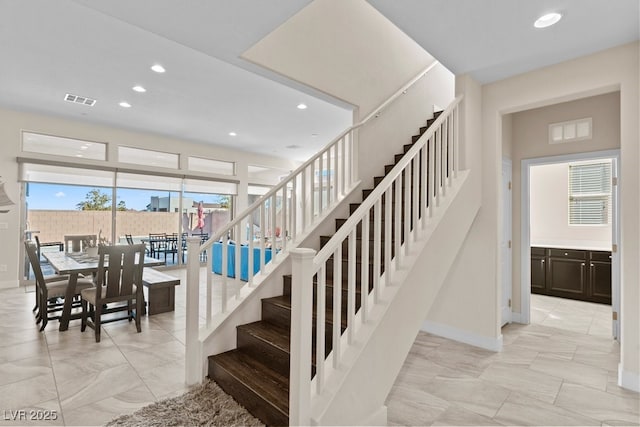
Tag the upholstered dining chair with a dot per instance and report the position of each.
(119, 280)
(49, 288)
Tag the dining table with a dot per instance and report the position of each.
(73, 264)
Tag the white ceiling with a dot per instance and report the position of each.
(100, 49)
(496, 39)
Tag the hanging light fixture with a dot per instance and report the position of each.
(5, 201)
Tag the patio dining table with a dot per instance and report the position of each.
(74, 264)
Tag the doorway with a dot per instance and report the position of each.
(586, 266)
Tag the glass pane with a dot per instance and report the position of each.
(59, 146)
(556, 133)
(139, 156)
(584, 129)
(211, 166)
(142, 213)
(569, 131)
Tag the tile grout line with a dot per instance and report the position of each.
(55, 381)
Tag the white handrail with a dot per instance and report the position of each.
(331, 173)
(420, 177)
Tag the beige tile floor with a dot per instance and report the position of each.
(559, 370)
(544, 375)
(80, 382)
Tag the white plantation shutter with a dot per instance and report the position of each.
(590, 193)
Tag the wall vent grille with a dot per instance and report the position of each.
(79, 99)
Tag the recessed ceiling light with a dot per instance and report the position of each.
(302, 106)
(232, 134)
(158, 68)
(125, 104)
(547, 20)
(139, 88)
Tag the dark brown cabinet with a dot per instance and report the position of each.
(569, 273)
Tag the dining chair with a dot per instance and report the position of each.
(129, 238)
(50, 288)
(118, 280)
(76, 243)
(39, 244)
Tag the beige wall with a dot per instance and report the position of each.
(344, 48)
(549, 210)
(608, 71)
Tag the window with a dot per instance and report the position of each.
(139, 156)
(59, 146)
(574, 130)
(590, 193)
(200, 164)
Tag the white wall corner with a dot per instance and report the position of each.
(629, 380)
(449, 332)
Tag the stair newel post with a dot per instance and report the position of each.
(301, 330)
(193, 359)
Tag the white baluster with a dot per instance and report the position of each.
(377, 247)
(364, 258)
(351, 287)
(337, 304)
(321, 327)
(388, 198)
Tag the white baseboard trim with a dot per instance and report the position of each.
(6, 284)
(516, 317)
(449, 332)
(628, 380)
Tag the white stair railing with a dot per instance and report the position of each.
(390, 219)
(271, 226)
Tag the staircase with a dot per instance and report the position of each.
(256, 373)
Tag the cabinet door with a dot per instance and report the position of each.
(538, 274)
(600, 277)
(567, 273)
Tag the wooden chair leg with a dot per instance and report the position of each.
(96, 321)
(85, 313)
(138, 314)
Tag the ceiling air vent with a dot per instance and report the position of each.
(80, 100)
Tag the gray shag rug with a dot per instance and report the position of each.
(204, 405)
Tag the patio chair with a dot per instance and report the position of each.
(50, 288)
(119, 280)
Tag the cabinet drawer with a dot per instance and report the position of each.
(538, 251)
(601, 256)
(567, 253)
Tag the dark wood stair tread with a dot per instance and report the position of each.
(270, 333)
(262, 385)
(284, 301)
